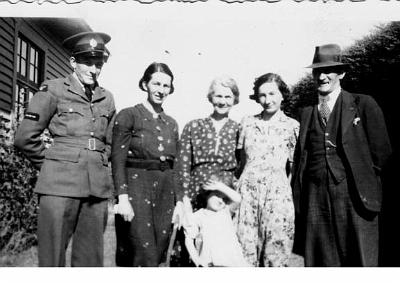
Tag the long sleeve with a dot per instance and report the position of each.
(42, 107)
(184, 161)
(376, 132)
(109, 132)
(121, 139)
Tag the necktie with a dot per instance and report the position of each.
(88, 92)
(324, 111)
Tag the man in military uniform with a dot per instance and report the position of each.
(74, 181)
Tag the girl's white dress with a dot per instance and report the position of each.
(215, 237)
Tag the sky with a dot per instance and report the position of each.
(201, 41)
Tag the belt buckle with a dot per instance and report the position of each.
(163, 163)
(92, 144)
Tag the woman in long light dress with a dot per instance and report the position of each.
(265, 220)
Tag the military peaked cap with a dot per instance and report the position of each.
(88, 43)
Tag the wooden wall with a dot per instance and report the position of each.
(56, 59)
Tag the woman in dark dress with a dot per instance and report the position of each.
(144, 146)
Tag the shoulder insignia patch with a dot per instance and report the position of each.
(32, 116)
(43, 88)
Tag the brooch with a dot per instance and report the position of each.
(356, 121)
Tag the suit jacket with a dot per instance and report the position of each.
(365, 143)
(68, 168)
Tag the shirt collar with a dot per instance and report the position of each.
(330, 98)
(150, 108)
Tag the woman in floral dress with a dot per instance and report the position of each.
(207, 149)
(208, 145)
(265, 218)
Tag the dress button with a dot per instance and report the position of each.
(93, 119)
(92, 104)
(326, 134)
(91, 133)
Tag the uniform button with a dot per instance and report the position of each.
(91, 133)
(92, 104)
(326, 134)
(70, 110)
(93, 119)
(162, 158)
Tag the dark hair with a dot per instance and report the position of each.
(153, 68)
(227, 82)
(267, 78)
(203, 195)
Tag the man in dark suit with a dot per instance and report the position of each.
(74, 181)
(343, 145)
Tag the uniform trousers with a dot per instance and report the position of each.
(339, 230)
(60, 218)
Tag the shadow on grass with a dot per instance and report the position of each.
(29, 257)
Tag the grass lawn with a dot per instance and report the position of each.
(28, 258)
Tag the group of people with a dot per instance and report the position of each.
(236, 191)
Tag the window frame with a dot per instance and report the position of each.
(21, 100)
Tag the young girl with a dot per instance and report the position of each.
(210, 236)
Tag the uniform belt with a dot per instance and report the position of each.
(162, 164)
(92, 144)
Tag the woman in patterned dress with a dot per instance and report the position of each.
(207, 148)
(208, 145)
(144, 146)
(265, 218)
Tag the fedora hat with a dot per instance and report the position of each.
(326, 56)
(88, 44)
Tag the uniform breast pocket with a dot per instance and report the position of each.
(104, 118)
(72, 118)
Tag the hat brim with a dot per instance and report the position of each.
(327, 64)
(92, 53)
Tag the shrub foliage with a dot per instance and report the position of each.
(18, 203)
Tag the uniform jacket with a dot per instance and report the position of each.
(68, 168)
(365, 143)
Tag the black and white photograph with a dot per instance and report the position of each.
(164, 139)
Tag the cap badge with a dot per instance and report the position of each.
(93, 42)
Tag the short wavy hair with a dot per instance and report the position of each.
(224, 81)
(267, 78)
(154, 68)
